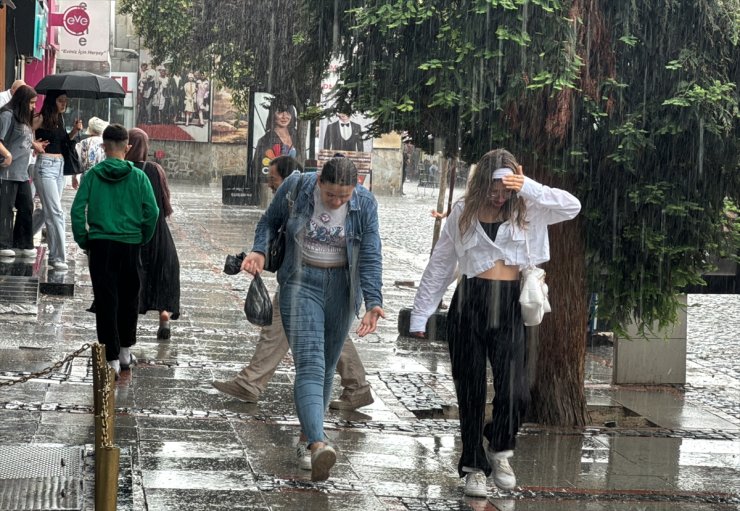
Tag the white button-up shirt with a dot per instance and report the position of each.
(474, 252)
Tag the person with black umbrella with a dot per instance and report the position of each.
(49, 171)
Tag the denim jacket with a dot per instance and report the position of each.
(361, 229)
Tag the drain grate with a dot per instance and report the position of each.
(36, 477)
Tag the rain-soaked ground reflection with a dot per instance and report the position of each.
(190, 447)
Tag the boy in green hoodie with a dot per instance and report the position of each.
(113, 214)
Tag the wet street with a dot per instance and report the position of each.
(187, 447)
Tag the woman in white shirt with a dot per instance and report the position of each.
(486, 236)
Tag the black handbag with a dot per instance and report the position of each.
(72, 163)
(276, 247)
(258, 305)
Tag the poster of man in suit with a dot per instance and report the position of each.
(344, 135)
(344, 132)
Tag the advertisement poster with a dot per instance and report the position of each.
(274, 133)
(85, 30)
(172, 104)
(229, 126)
(344, 133)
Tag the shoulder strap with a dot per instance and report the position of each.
(293, 195)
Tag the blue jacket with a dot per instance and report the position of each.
(361, 227)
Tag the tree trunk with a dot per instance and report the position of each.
(557, 395)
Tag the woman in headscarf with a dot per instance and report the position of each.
(160, 273)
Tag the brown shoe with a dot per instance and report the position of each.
(352, 400)
(233, 389)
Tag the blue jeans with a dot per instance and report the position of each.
(316, 310)
(48, 177)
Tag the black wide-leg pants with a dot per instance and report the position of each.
(484, 323)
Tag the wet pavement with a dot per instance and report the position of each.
(187, 447)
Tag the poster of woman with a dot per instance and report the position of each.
(275, 132)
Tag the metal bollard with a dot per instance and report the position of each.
(107, 457)
(106, 479)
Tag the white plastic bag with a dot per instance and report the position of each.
(533, 296)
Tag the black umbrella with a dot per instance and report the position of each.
(81, 84)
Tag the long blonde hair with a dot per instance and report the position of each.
(476, 195)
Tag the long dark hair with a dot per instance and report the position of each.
(476, 196)
(52, 117)
(20, 105)
(279, 106)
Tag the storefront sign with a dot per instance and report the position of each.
(85, 30)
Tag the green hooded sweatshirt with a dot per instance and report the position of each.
(119, 202)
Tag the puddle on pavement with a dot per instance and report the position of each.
(610, 416)
(616, 416)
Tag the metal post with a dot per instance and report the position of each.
(106, 479)
(107, 456)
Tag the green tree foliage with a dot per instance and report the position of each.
(632, 105)
(634, 102)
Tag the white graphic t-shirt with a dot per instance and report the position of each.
(325, 243)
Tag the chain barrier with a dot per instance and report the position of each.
(37, 374)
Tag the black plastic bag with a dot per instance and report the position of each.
(258, 305)
(233, 264)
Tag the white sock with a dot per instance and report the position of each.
(124, 355)
(116, 365)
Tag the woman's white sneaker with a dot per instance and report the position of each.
(475, 484)
(503, 474)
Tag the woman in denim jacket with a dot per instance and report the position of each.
(332, 263)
